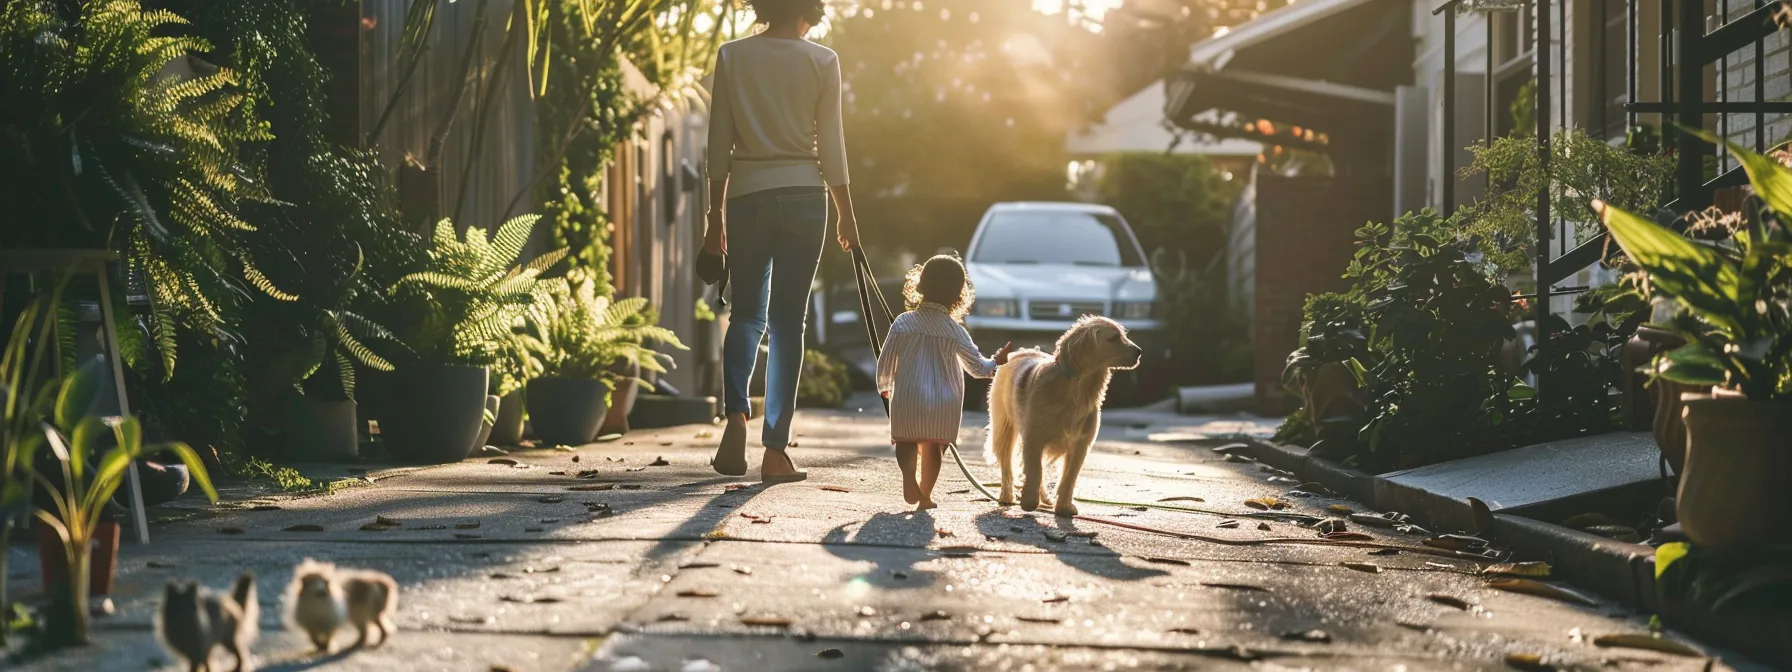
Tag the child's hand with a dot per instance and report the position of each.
(1002, 355)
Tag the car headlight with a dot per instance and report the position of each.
(996, 308)
(1135, 310)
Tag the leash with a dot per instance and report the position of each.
(871, 299)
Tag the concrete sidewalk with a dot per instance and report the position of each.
(607, 559)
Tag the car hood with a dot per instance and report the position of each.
(1061, 281)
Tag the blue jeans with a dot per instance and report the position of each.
(774, 244)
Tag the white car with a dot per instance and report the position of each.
(1037, 267)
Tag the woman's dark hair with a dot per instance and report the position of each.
(784, 11)
(940, 281)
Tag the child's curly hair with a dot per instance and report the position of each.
(782, 11)
(940, 281)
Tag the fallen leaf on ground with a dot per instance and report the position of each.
(1038, 619)
(473, 620)
(306, 527)
(1331, 525)
(1535, 569)
(1055, 535)
(501, 576)
(834, 488)
(1347, 536)
(1263, 526)
(376, 527)
(943, 532)
(1185, 631)
(1056, 598)
(1265, 503)
(766, 621)
(265, 507)
(762, 521)
(1385, 551)
(564, 448)
(959, 492)
(1314, 635)
(1647, 642)
(156, 564)
(674, 616)
(636, 469)
(699, 565)
(552, 499)
(1539, 589)
(830, 654)
(742, 570)
(533, 599)
(503, 460)
(1167, 561)
(592, 488)
(697, 592)
(1362, 567)
(467, 526)
(1530, 662)
(1238, 586)
(1449, 601)
(1318, 488)
(1227, 524)
(660, 461)
(230, 529)
(1182, 499)
(1340, 508)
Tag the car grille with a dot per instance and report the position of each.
(1061, 311)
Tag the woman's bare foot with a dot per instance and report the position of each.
(776, 467)
(905, 458)
(925, 504)
(731, 455)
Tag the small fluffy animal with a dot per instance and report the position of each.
(315, 604)
(1051, 406)
(195, 619)
(323, 597)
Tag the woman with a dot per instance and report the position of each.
(776, 152)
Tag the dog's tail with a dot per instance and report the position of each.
(1003, 430)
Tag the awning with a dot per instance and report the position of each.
(1312, 74)
(1137, 125)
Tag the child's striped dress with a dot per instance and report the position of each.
(922, 371)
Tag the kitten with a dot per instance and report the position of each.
(315, 604)
(322, 598)
(195, 619)
(372, 597)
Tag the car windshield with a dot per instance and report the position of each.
(1061, 237)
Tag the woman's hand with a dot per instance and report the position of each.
(849, 233)
(715, 234)
(1002, 355)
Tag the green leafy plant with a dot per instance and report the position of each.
(1581, 168)
(1690, 576)
(589, 334)
(824, 382)
(466, 302)
(1736, 293)
(119, 136)
(1437, 322)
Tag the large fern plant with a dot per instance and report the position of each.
(461, 310)
(113, 135)
(590, 334)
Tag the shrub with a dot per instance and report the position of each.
(824, 382)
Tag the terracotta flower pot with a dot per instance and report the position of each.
(53, 562)
(1656, 404)
(622, 402)
(1738, 461)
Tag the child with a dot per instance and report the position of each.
(919, 371)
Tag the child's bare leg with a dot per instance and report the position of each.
(905, 458)
(930, 472)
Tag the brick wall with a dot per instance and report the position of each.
(1305, 237)
(1737, 84)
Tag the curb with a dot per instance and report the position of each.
(1616, 570)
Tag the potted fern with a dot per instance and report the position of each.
(455, 315)
(320, 412)
(588, 336)
(519, 360)
(1736, 319)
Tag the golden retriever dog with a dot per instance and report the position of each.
(1051, 405)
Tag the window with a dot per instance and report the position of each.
(1612, 69)
(1069, 238)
